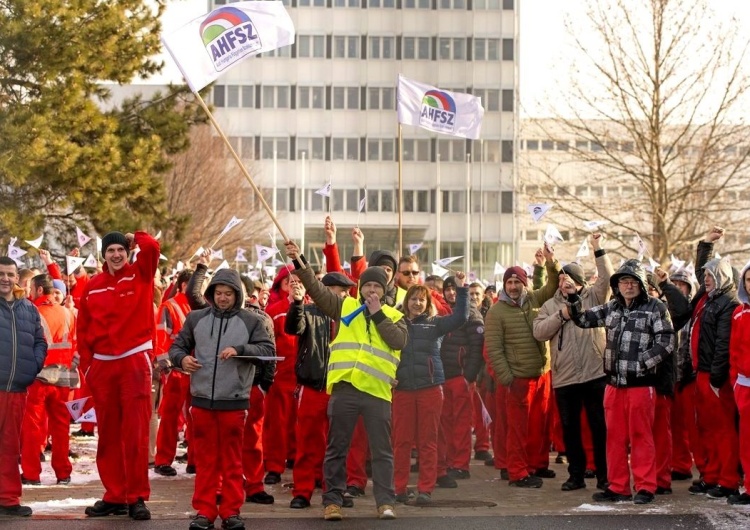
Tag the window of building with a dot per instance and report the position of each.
(247, 147)
(506, 202)
(311, 97)
(346, 98)
(381, 98)
(282, 199)
(582, 145)
(284, 51)
(380, 149)
(386, 200)
(275, 97)
(219, 96)
(451, 48)
(280, 145)
(480, 5)
(313, 3)
(548, 145)
(423, 201)
(491, 151)
(627, 147)
(346, 47)
(417, 4)
(345, 148)
(452, 150)
(416, 150)
(486, 49)
(311, 46)
(508, 100)
(562, 145)
(416, 48)
(452, 4)
(508, 5)
(381, 3)
(352, 200)
(490, 98)
(454, 201)
(508, 50)
(233, 96)
(313, 148)
(382, 48)
(532, 145)
(506, 147)
(347, 3)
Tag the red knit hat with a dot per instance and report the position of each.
(518, 273)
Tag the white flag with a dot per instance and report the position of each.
(414, 247)
(652, 264)
(82, 238)
(222, 265)
(583, 251)
(269, 270)
(444, 262)
(98, 244)
(717, 255)
(552, 235)
(231, 224)
(528, 268)
(200, 251)
(593, 225)
(641, 246)
(162, 257)
(14, 252)
(537, 211)
(265, 252)
(440, 271)
(676, 264)
(158, 235)
(499, 270)
(217, 254)
(439, 110)
(88, 417)
(36, 243)
(325, 191)
(346, 265)
(75, 407)
(90, 262)
(240, 257)
(213, 43)
(277, 262)
(180, 266)
(72, 263)
(362, 203)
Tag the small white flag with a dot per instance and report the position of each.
(537, 211)
(269, 270)
(264, 253)
(217, 254)
(676, 264)
(528, 268)
(444, 262)
(231, 224)
(434, 109)
(88, 417)
(717, 255)
(652, 264)
(162, 257)
(414, 247)
(240, 257)
(583, 251)
(213, 43)
(90, 262)
(222, 265)
(346, 266)
(593, 225)
(158, 235)
(439, 271)
(641, 246)
(362, 203)
(98, 244)
(15, 252)
(75, 407)
(180, 266)
(36, 243)
(552, 235)
(72, 263)
(690, 269)
(499, 269)
(82, 238)
(276, 262)
(200, 251)
(325, 191)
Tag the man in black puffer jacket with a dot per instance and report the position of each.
(461, 353)
(22, 353)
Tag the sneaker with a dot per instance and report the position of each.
(190, 469)
(354, 491)
(446, 482)
(677, 475)
(261, 498)
(561, 458)
(504, 475)
(299, 502)
(16, 510)
(482, 455)
(200, 522)
(165, 471)
(529, 481)
(459, 474)
(490, 462)
(423, 499)
(385, 511)
(403, 498)
(660, 490)
(28, 482)
(233, 522)
(272, 478)
(720, 492)
(332, 512)
(742, 499)
(347, 502)
(643, 497)
(138, 510)
(82, 434)
(545, 473)
(701, 488)
(63, 481)
(573, 484)
(610, 496)
(104, 508)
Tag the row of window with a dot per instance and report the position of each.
(336, 98)
(415, 201)
(579, 145)
(579, 191)
(370, 149)
(506, 5)
(398, 48)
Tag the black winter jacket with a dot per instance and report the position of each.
(22, 345)
(678, 306)
(461, 350)
(316, 330)
(421, 365)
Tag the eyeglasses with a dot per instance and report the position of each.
(409, 273)
(629, 283)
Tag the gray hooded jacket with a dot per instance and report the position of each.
(222, 384)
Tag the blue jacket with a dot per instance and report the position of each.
(22, 345)
(421, 365)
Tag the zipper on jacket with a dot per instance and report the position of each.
(14, 342)
(216, 360)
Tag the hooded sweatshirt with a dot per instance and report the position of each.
(222, 384)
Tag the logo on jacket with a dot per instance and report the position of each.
(229, 35)
(438, 111)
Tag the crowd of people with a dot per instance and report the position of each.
(340, 374)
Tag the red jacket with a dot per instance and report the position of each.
(739, 342)
(333, 264)
(59, 325)
(116, 313)
(286, 344)
(170, 318)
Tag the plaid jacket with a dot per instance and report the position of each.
(638, 338)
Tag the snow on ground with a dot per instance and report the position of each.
(595, 508)
(59, 505)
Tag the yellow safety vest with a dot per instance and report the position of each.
(400, 295)
(363, 359)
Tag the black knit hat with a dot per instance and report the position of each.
(449, 282)
(115, 238)
(374, 274)
(576, 273)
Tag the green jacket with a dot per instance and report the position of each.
(512, 350)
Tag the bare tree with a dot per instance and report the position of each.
(205, 188)
(661, 114)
